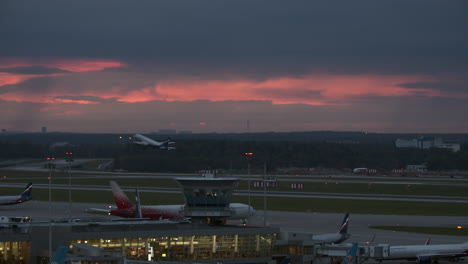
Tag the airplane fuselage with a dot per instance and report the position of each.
(414, 251)
(157, 212)
(8, 200)
(335, 238)
(175, 212)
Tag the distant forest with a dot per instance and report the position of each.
(339, 150)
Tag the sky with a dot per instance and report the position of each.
(115, 66)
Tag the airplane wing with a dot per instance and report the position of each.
(142, 143)
(100, 210)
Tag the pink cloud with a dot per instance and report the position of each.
(285, 90)
(309, 90)
(70, 64)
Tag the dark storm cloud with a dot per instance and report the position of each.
(33, 70)
(83, 82)
(40, 85)
(258, 38)
(289, 94)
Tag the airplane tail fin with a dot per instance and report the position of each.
(138, 213)
(428, 241)
(27, 193)
(345, 224)
(60, 255)
(168, 144)
(121, 200)
(351, 257)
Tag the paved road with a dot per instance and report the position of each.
(315, 223)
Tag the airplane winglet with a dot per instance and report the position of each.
(60, 255)
(351, 257)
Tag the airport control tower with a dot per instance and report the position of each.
(207, 198)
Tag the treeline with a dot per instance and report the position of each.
(191, 156)
(229, 155)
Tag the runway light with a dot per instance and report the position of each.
(459, 227)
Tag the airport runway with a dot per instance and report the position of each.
(269, 193)
(315, 223)
(426, 180)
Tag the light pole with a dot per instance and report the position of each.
(69, 159)
(247, 155)
(264, 194)
(50, 166)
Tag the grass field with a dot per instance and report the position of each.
(451, 231)
(61, 177)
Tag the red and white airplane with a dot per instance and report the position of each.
(127, 209)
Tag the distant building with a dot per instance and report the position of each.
(427, 143)
(44, 130)
(167, 131)
(403, 143)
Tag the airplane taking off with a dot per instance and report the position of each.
(335, 238)
(16, 199)
(428, 253)
(125, 208)
(148, 142)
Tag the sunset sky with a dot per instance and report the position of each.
(115, 66)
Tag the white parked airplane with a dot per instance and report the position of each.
(334, 238)
(16, 199)
(428, 253)
(125, 208)
(148, 142)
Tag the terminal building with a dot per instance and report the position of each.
(138, 240)
(205, 239)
